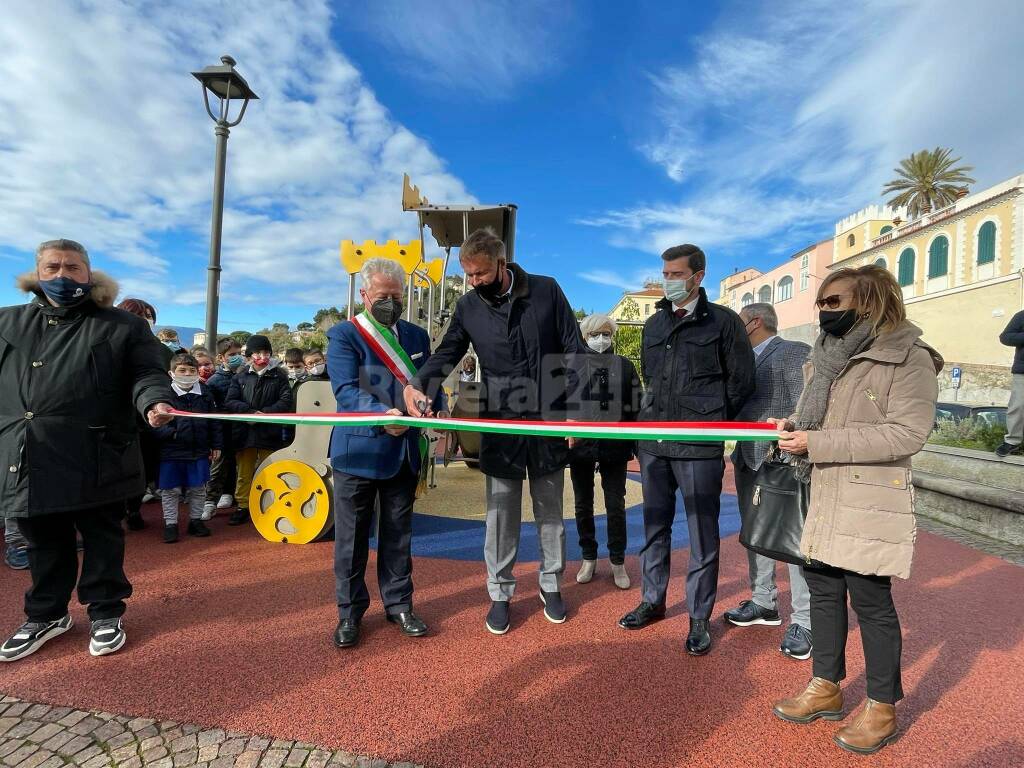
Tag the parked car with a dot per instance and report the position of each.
(993, 415)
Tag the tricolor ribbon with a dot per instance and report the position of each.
(677, 431)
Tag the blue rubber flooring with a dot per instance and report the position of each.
(454, 539)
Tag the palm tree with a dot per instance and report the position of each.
(927, 180)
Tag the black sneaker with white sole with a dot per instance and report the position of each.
(498, 618)
(31, 636)
(107, 636)
(554, 608)
(749, 613)
(797, 643)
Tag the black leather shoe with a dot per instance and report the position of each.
(698, 642)
(410, 624)
(347, 633)
(642, 615)
(238, 517)
(135, 522)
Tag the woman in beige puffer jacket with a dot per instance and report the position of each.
(867, 408)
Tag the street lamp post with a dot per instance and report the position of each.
(225, 84)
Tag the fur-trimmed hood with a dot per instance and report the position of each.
(104, 287)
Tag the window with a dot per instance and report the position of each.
(748, 298)
(987, 243)
(886, 228)
(938, 257)
(881, 263)
(805, 279)
(905, 267)
(785, 289)
(647, 309)
(765, 294)
(804, 260)
(850, 241)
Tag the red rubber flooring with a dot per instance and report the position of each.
(235, 632)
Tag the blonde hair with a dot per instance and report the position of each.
(876, 295)
(167, 334)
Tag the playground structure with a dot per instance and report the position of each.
(292, 496)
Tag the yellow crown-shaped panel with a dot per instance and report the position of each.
(354, 255)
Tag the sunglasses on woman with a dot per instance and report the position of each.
(833, 301)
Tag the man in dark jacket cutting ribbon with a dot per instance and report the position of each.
(522, 328)
(74, 371)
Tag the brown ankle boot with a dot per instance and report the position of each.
(820, 698)
(872, 729)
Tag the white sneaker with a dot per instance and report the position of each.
(149, 497)
(209, 510)
(620, 576)
(586, 571)
(225, 501)
(107, 636)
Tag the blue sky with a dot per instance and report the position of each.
(747, 129)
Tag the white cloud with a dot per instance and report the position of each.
(791, 117)
(105, 139)
(487, 48)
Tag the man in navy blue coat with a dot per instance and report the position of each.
(370, 360)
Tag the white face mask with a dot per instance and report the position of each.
(677, 290)
(600, 342)
(317, 370)
(185, 382)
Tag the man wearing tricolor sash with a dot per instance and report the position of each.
(370, 360)
(522, 329)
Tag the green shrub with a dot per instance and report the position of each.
(976, 434)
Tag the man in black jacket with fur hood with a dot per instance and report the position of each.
(698, 365)
(522, 329)
(74, 372)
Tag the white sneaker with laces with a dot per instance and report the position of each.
(225, 501)
(586, 573)
(620, 576)
(31, 636)
(209, 510)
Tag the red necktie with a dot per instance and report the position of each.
(680, 313)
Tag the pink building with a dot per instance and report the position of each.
(790, 287)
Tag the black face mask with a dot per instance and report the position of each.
(837, 322)
(386, 311)
(491, 290)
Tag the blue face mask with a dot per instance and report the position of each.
(235, 360)
(64, 291)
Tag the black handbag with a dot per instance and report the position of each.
(774, 523)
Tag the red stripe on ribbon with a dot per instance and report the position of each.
(379, 351)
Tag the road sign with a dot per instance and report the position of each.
(954, 378)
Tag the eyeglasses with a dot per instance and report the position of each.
(833, 301)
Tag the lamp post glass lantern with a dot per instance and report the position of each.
(226, 85)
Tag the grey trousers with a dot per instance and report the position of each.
(762, 569)
(1015, 412)
(170, 498)
(13, 536)
(504, 524)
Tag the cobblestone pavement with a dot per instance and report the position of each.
(39, 736)
(1009, 552)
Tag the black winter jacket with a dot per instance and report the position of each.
(696, 368)
(190, 439)
(609, 390)
(219, 384)
(73, 382)
(1013, 336)
(522, 344)
(250, 392)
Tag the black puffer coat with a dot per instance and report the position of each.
(250, 392)
(609, 390)
(697, 368)
(73, 381)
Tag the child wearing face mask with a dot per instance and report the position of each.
(220, 489)
(295, 366)
(316, 365)
(169, 338)
(186, 449)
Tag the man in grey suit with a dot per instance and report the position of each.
(778, 384)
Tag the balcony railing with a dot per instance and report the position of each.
(912, 226)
